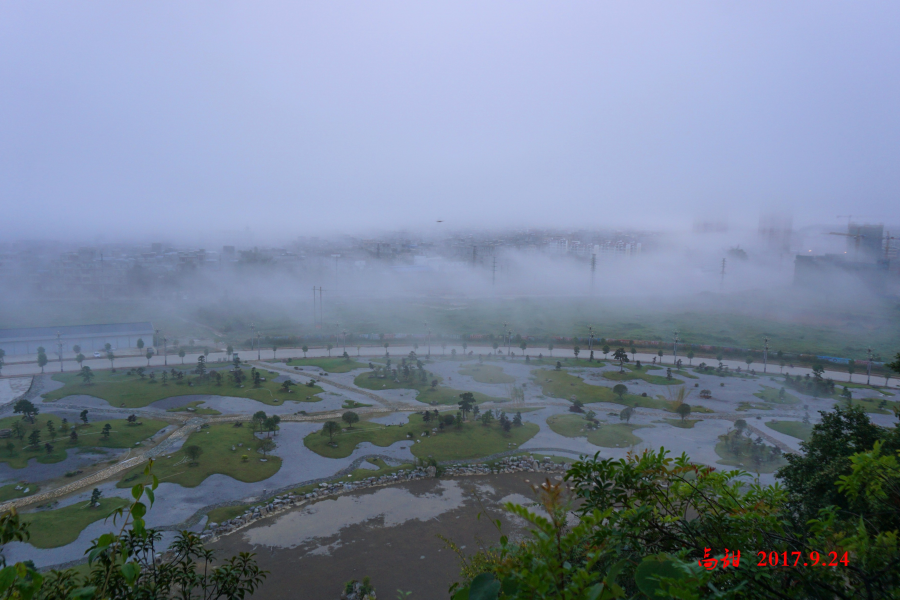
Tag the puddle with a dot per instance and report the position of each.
(325, 519)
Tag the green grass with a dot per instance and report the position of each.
(742, 406)
(851, 384)
(223, 513)
(684, 373)
(872, 405)
(216, 442)
(686, 424)
(486, 373)
(61, 526)
(330, 365)
(9, 492)
(434, 396)
(130, 391)
(354, 404)
(770, 394)
(632, 373)
(564, 385)
(744, 461)
(797, 429)
(122, 435)
(611, 435)
(197, 409)
(473, 441)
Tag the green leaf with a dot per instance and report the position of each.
(647, 574)
(130, 571)
(484, 587)
(137, 491)
(7, 577)
(462, 594)
(85, 593)
(150, 495)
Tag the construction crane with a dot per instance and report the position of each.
(856, 236)
(887, 243)
(850, 218)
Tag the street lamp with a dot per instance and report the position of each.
(59, 345)
(258, 350)
(165, 350)
(344, 337)
(766, 355)
(675, 351)
(869, 368)
(428, 339)
(591, 341)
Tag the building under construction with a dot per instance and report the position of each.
(866, 261)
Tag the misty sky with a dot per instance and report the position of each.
(303, 118)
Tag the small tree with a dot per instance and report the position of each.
(466, 403)
(350, 418)
(690, 356)
(73, 436)
(517, 420)
(106, 430)
(549, 348)
(229, 350)
(84, 416)
(660, 354)
(683, 410)
(626, 413)
(35, 438)
(27, 409)
(112, 359)
(620, 389)
(266, 445)
(48, 447)
(79, 358)
(95, 498)
(181, 354)
(193, 452)
(86, 375)
(621, 356)
(331, 428)
(576, 350)
(140, 344)
(305, 349)
(330, 348)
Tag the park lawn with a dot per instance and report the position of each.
(770, 394)
(197, 409)
(130, 391)
(331, 365)
(684, 373)
(223, 513)
(486, 373)
(61, 526)
(744, 462)
(685, 424)
(564, 385)
(122, 435)
(873, 405)
(570, 362)
(354, 404)
(217, 458)
(797, 429)
(852, 384)
(631, 374)
(9, 492)
(742, 406)
(606, 435)
(473, 441)
(427, 394)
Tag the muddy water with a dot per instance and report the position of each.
(389, 534)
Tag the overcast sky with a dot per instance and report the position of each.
(136, 119)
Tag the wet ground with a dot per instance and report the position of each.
(389, 534)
